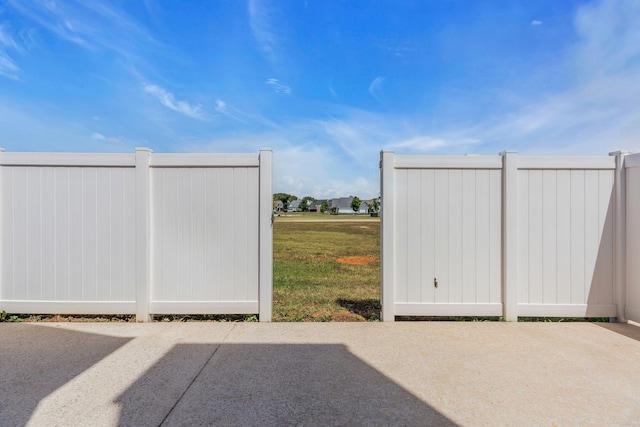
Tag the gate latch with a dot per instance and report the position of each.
(435, 283)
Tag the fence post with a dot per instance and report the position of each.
(510, 235)
(387, 252)
(620, 247)
(1, 221)
(265, 255)
(143, 229)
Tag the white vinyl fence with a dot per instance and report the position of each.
(632, 232)
(508, 236)
(136, 233)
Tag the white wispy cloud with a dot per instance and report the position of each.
(6, 40)
(334, 93)
(374, 88)
(221, 106)
(8, 67)
(115, 140)
(225, 109)
(168, 100)
(90, 25)
(535, 22)
(260, 21)
(277, 86)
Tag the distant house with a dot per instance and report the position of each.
(342, 205)
(278, 205)
(294, 206)
(315, 206)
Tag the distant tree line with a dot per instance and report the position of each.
(305, 203)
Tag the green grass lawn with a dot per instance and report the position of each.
(309, 281)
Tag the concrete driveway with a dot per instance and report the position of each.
(245, 374)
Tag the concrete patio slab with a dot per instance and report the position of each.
(405, 373)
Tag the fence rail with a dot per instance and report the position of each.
(136, 233)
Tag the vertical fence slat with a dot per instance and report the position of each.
(577, 237)
(454, 280)
(21, 234)
(387, 255)
(441, 239)
(266, 237)
(592, 233)
(227, 228)
(535, 232)
(401, 236)
(117, 251)
(48, 234)
(253, 233)
(199, 260)
(563, 242)
(523, 233)
(549, 237)
(620, 236)
(143, 227)
(427, 236)
(240, 247)
(629, 235)
(213, 234)
(414, 256)
(3, 238)
(129, 229)
(469, 236)
(482, 231)
(495, 244)
(89, 231)
(510, 235)
(605, 261)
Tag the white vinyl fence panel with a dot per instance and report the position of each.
(447, 238)
(632, 309)
(205, 239)
(499, 236)
(136, 233)
(67, 235)
(566, 238)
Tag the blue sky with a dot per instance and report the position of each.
(325, 84)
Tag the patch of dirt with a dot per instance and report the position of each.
(358, 260)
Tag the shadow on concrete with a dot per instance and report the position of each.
(630, 331)
(37, 360)
(270, 385)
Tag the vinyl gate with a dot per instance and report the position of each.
(501, 235)
(441, 236)
(136, 233)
